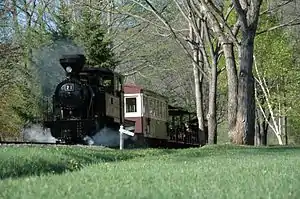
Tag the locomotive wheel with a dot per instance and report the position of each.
(77, 140)
(67, 141)
(58, 142)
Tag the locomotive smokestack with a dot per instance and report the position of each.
(72, 64)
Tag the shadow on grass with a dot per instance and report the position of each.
(67, 161)
(31, 168)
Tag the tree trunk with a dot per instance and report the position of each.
(211, 116)
(109, 16)
(262, 129)
(232, 87)
(15, 20)
(199, 105)
(285, 131)
(245, 123)
(198, 58)
(257, 129)
(264, 133)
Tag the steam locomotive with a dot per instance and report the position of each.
(87, 100)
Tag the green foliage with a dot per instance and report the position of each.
(63, 22)
(18, 104)
(232, 16)
(9, 121)
(274, 59)
(90, 34)
(19, 91)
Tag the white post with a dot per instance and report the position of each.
(121, 137)
(122, 130)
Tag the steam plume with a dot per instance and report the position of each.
(36, 133)
(106, 137)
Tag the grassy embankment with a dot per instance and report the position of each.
(210, 172)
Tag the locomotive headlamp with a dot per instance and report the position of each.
(69, 69)
(72, 63)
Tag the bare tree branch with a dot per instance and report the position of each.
(136, 69)
(229, 12)
(121, 12)
(270, 10)
(292, 22)
(165, 22)
(212, 11)
(131, 36)
(241, 13)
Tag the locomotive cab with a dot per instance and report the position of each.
(107, 86)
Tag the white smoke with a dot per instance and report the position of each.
(36, 133)
(106, 137)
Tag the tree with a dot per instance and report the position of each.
(273, 71)
(240, 33)
(198, 54)
(234, 25)
(20, 92)
(249, 14)
(91, 35)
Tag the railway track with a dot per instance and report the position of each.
(19, 143)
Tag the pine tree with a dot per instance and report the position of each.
(91, 35)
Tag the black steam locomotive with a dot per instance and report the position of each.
(86, 101)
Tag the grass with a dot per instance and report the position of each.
(210, 172)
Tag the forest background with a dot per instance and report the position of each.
(235, 63)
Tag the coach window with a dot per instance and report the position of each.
(154, 107)
(150, 106)
(108, 84)
(159, 109)
(118, 83)
(166, 110)
(162, 110)
(131, 105)
(100, 81)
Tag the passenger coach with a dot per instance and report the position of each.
(149, 111)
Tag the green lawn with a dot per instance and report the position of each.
(210, 172)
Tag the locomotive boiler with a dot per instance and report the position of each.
(87, 100)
